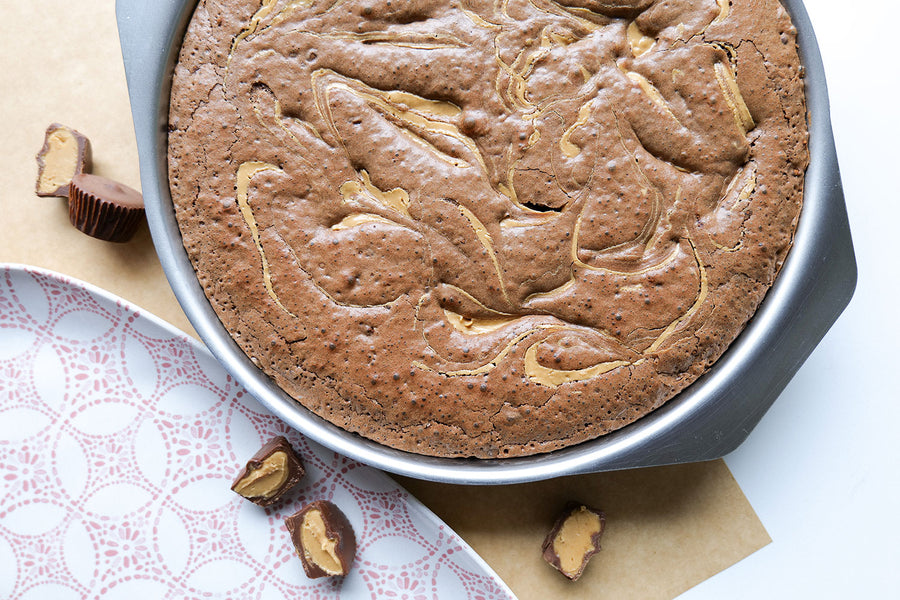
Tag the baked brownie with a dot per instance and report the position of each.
(487, 228)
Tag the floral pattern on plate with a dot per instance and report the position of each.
(119, 440)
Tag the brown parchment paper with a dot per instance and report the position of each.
(61, 62)
(668, 528)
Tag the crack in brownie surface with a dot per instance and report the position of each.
(487, 228)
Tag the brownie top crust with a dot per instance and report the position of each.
(487, 228)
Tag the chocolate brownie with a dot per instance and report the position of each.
(487, 228)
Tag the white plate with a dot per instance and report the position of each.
(119, 440)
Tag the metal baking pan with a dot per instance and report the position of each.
(706, 421)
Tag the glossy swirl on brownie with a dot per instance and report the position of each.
(487, 228)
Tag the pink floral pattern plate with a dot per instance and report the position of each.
(119, 439)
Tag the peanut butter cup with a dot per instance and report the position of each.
(65, 154)
(323, 539)
(103, 208)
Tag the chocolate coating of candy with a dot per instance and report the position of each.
(293, 471)
(104, 209)
(337, 530)
(487, 229)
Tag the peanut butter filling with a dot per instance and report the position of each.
(317, 546)
(640, 43)
(396, 199)
(267, 479)
(728, 84)
(246, 172)
(60, 161)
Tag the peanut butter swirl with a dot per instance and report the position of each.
(487, 227)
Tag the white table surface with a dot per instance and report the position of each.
(822, 469)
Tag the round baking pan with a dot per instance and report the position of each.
(706, 421)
